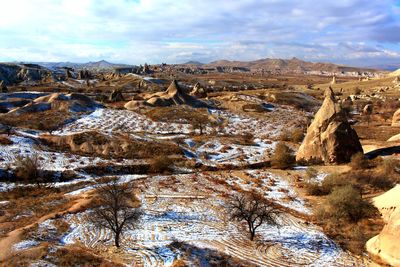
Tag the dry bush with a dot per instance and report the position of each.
(295, 99)
(313, 189)
(48, 120)
(25, 258)
(161, 164)
(390, 167)
(359, 161)
(79, 257)
(374, 179)
(294, 135)
(311, 173)
(345, 203)
(282, 157)
(327, 185)
(297, 135)
(29, 169)
(5, 141)
(179, 263)
(356, 91)
(33, 203)
(121, 146)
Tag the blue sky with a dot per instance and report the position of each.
(354, 32)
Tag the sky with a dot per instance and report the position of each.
(352, 32)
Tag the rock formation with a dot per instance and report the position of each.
(90, 142)
(198, 91)
(83, 75)
(174, 95)
(386, 246)
(396, 118)
(367, 110)
(68, 74)
(3, 87)
(333, 79)
(116, 96)
(396, 81)
(330, 138)
(56, 101)
(146, 69)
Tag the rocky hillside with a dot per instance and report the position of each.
(13, 73)
(293, 65)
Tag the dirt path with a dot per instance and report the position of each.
(14, 236)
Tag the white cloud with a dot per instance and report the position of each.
(136, 31)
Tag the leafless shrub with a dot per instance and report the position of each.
(358, 161)
(29, 169)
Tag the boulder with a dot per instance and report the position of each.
(367, 110)
(330, 138)
(3, 87)
(134, 105)
(198, 91)
(396, 118)
(385, 246)
(394, 138)
(116, 96)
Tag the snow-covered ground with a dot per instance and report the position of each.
(111, 120)
(215, 152)
(188, 208)
(203, 223)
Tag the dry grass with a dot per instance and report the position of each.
(66, 256)
(45, 121)
(28, 205)
(5, 141)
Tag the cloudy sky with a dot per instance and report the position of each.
(356, 32)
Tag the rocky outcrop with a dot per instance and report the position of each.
(385, 247)
(90, 142)
(116, 96)
(396, 118)
(174, 95)
(330, 138)
(198, 91)
(333, 79)
(3, 87)
(396, 81)
(367, 110)
(16, 73)
(84, 75)
(56, 101)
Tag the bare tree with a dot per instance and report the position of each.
(254, 210)
(116, 209)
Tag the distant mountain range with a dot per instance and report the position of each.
(388, 67)
(288, 65)
(197, 63)
(98, 65)
(268, 64)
